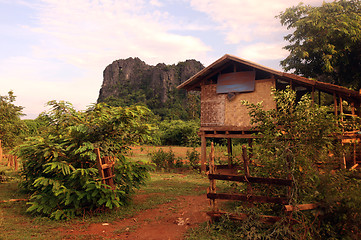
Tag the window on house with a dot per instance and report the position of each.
(236, 82)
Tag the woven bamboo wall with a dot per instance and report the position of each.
(217, 110)
(212, 106)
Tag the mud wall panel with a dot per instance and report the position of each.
(237, 115)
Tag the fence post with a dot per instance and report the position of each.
(203, 152)
(15, 162)
(1, 152)
(212, 188)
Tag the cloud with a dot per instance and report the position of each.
(73, 41)
(35, 82)
(262, 51)
(76, 40)
(89, 33)
(156, 3)
(246, 20)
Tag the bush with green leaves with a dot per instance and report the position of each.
(59, 167)
(193, 158)
(179, 133)
(339, 195)
(165, 160)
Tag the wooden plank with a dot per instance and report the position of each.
(241, 178)
(354, 166)
(13, 200)
(301, 207)
(231, 136)
(247, 198)
(109, 177)
(243, 216)
(225, 128)
(99, 164)
(107, 165)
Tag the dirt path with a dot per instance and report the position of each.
(168, 221)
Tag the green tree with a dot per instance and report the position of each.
(59, 167)
(10, 122)
(326, 41)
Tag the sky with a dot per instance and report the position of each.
(58, 49)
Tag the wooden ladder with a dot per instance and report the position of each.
(106, 168)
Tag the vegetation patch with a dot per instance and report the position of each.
(59, 167)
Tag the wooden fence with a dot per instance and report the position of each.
(218, 174)
(11, 160)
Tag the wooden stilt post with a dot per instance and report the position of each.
(246, 168)
(250, 145)
(212, 188)
(353, 112)
(335, 103)
(203, 153)
(354, 153)
(1, 152)
(11, 160)
(245, 161)
(341, 108)
(343, 130)
(229, 150)
(15, 163)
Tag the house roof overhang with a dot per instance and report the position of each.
(216, 67)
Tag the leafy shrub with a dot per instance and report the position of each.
(163, 160)
(193, 157)
(339, 195)
(59, 168)
(180, 133)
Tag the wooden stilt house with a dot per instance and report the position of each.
(230, 79)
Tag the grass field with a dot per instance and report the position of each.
(161, 188)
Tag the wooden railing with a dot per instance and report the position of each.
(249, 197)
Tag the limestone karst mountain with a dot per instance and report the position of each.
(132, 81)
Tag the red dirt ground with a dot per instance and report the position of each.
(168, 221)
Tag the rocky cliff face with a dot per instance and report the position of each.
(132, 81)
